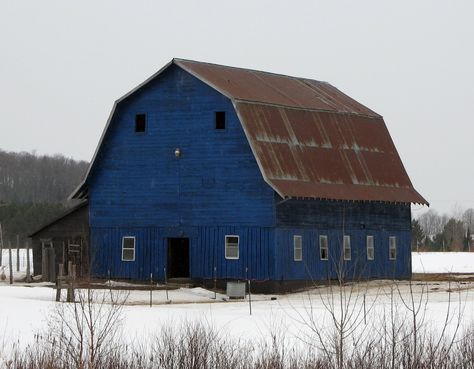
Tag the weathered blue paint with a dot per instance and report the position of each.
(138, 187)
(206, 252)
(334, 214)
(138, 181)
(312, 218)
(313, 268)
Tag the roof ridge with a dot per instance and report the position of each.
(249, 70)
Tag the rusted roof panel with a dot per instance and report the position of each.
(314, 154)
(269, 88)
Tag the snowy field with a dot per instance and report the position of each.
(24, 309)
(443, 262)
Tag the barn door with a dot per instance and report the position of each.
(178, 258)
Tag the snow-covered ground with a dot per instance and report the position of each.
(24, 309)
(443, 262)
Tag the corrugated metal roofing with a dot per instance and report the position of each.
(312, 154)
(269, 88)
(310, 140)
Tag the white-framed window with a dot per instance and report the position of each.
(347, 247)
(392, 247)
(298, 248)
(323, 247)
(232, 247)
(128, 248)
(370, 247)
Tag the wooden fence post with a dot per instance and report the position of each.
(10, 264)
(17, 252)
(1, 244)
(71, 281)
(28, 270)
(59, 281)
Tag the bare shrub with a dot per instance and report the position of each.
(195, 345)
(84, 332)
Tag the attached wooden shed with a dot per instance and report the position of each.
(64, 240)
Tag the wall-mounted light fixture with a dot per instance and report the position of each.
(177, 152)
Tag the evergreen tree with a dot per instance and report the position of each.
(417, 235)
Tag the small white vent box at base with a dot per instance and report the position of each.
(236, 290)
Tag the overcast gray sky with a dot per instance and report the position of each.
(63, 63)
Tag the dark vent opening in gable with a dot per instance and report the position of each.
(220, 119)
(140, 122)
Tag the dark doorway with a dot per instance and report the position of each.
(178, 258)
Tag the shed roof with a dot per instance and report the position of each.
(57, 219)
(309, 139)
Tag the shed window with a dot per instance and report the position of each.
(220, 119)
(298, 248)
(231, 247)
(140, 123)
(128, 248)
(392, 245)
(323, 247)
(370, 247)
(347, 247)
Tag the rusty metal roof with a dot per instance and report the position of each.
(309, 139)
(310, 154)
(270, 88)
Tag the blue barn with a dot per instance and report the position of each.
(207, 171)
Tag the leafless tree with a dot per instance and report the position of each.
(85, 331)
(432, 223)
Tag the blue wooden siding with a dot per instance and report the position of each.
(206, 245)
(335, 214)
(138, 181)
(312, 218)
(139, 188)
(313, 268)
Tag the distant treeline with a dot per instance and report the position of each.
(34, 189)
(30, 178)
(441, 232)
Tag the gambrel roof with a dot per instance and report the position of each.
(309, 139)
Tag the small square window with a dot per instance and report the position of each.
(392, 252)
(347, 248)
(128, 248)
(323, 247)
(220, 120)
(297, 248)
(231, 247)
(370, 247)
(140, 123)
